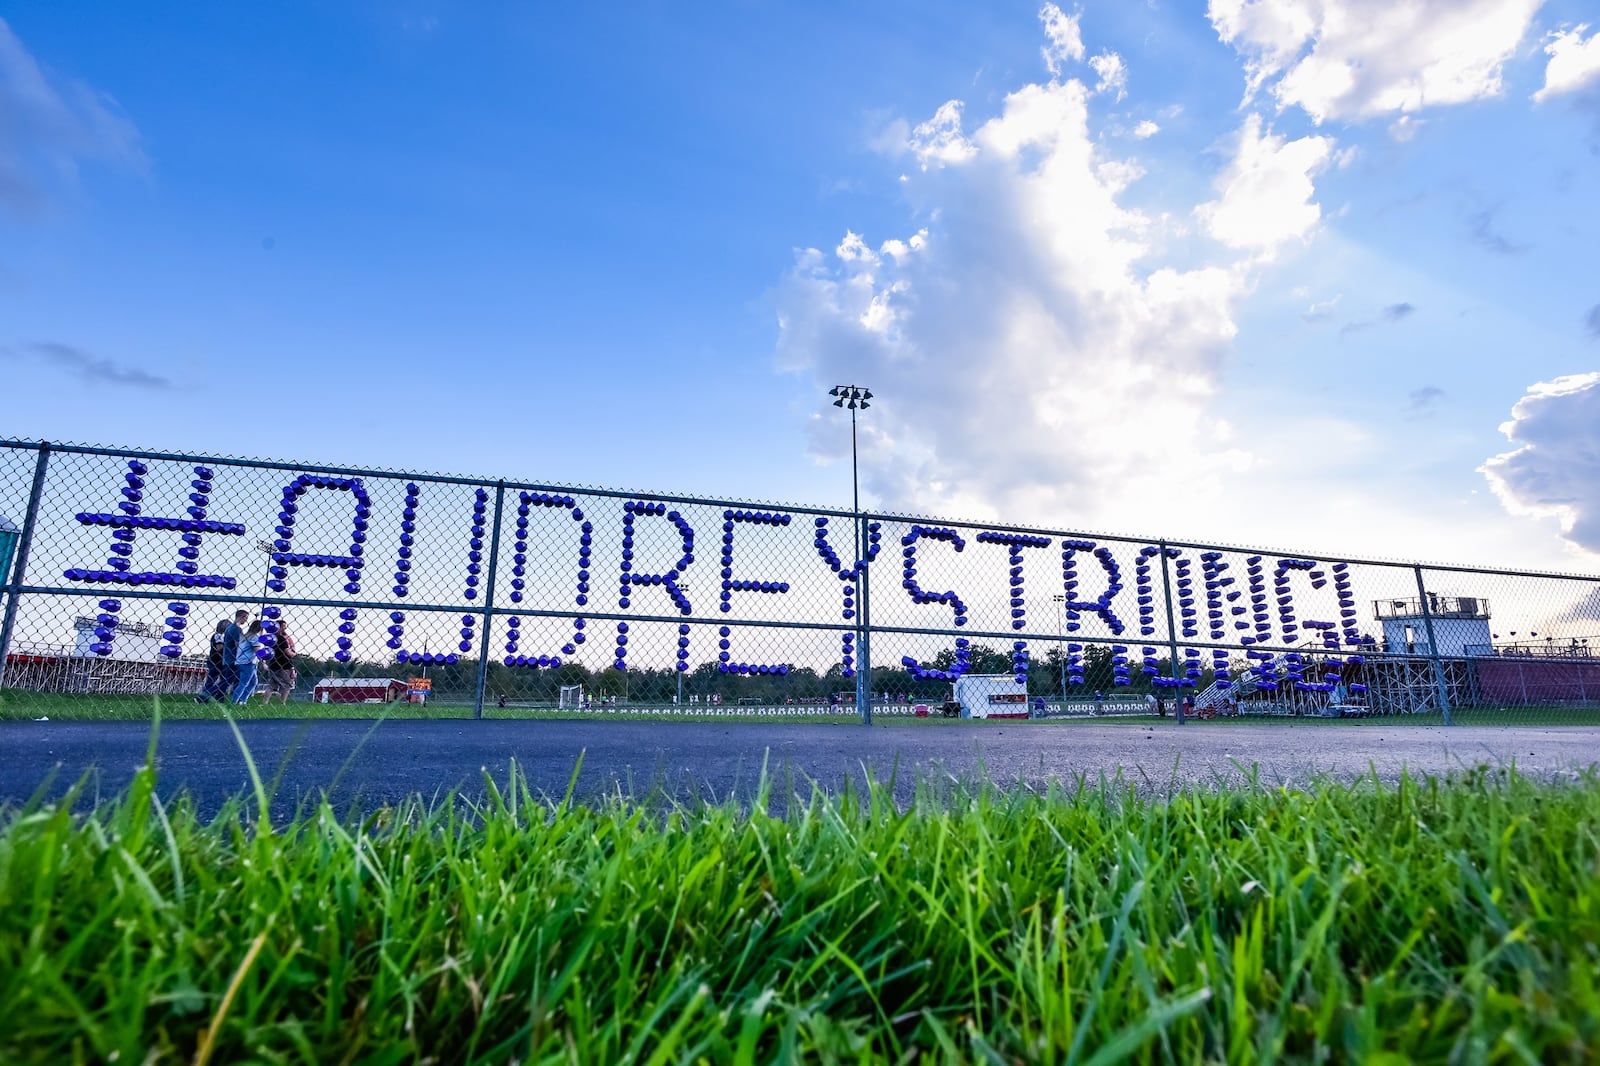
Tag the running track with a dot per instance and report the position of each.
(363, 765)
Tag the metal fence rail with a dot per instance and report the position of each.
(121, 571)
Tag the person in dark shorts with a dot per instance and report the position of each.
(216, 687)
(280, 667)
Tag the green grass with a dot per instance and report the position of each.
(1529, 716)
(17, 705)
(1433, 920)
(28, 706)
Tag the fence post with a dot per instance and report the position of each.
(1172, 634)
(1433, 646)
(20, 567)
(488, 600)
(864, 635)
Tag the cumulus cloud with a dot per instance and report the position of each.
(1035, 345)
(1146, 129)
(939, 140)
(1266, 191)
(91, 368)
(1554, 470)
(1113, 74)
(1063, 39)
(1355, 59)
(49, 125)
(854, 249)
(1574, 62)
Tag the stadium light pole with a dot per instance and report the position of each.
(1061, 648)
(854, 398)
(265, 547)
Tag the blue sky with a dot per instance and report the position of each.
(1268, 275)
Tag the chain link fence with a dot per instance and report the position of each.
(130, 574)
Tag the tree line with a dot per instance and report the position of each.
(658, 686)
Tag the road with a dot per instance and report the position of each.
(363, 765)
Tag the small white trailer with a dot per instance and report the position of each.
(991, 696)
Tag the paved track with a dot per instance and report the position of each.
(365, 764)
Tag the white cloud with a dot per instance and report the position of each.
(1032, 352)
(1267, 191)
(1113, 74)
(1043, 350)
(854, 250)
(897, 249)
(1405, 128)
(1353, 59)
(1322, 310)
(1574, 62)
(1146, 129)
(49, 125)
(1064, 42)
(1555, 470)
(939, 140)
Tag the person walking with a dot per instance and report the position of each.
(280, 667)
(215, 687)
(245, 661)
(231, 636)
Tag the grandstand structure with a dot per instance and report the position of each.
(136, 669)
(1472, 668)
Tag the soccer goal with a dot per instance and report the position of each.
(571, 698)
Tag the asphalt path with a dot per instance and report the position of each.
(361, 765)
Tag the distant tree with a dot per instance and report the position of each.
(610, 682)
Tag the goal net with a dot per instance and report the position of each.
(571, 697)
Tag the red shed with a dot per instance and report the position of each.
(358, 690)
